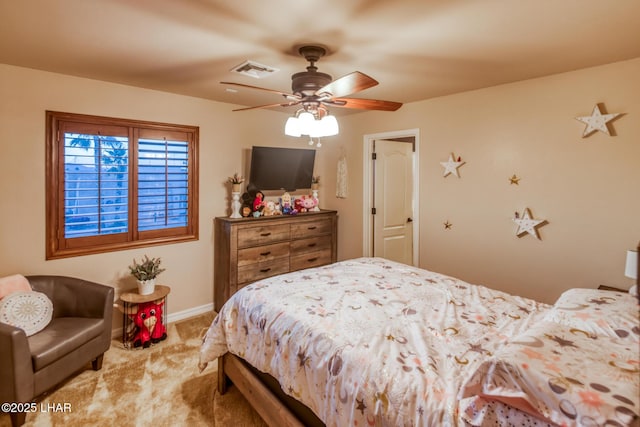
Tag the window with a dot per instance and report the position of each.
(116, 184)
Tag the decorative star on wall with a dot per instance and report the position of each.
(447, 225)
(451, 166)
(527, 224)
(514, 180)
(596, 121)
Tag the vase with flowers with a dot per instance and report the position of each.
(315, 182)
(146, 272)
(236, 181)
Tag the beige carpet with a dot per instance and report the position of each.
(158, 386)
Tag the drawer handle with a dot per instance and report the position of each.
(310, 245)
(264, 270)
(265, 253)
(312, 259)
(265, 234)
(313, 227)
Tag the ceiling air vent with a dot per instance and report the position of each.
(253, 69)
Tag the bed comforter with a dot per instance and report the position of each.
(374, 342)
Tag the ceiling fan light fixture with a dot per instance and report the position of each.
(316, 129)
(330, 125)
(306, 120)
(292, 127)
(307, 123)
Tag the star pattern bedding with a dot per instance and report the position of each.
(374, 342)
(579, 366)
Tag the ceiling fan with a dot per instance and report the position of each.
(314, 90)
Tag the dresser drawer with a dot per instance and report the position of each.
(311, 228)
(260, 270)
(254, 236)
(312, 244)
(262, 253)
(310, 259)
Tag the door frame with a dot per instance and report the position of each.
(367, 186)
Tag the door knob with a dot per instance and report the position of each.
(409, 220)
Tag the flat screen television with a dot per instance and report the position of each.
(274, 168)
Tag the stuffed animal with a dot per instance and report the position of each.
(310, 203)
(285, 201)
(258, 202)
(305, 203)
(269, 208)
(148, 321)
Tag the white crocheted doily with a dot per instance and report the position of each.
(27, 310)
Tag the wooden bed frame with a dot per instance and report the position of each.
(264, 394)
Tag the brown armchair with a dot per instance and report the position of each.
(79, 333)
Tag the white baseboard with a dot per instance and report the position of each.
(190, 312)
(174, 317)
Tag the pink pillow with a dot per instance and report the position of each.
(14, 283)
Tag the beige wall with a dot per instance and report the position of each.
(587, 188)
(225, 138)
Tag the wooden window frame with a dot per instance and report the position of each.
(57, 246)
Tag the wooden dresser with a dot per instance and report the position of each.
(249, 249)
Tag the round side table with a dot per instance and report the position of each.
(130, 301)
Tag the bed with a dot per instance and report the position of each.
(374, 342)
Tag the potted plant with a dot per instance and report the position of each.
(315, 182)
(235, 181)
(146, 272)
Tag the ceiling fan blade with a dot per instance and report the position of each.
(346, 85)
(365, 104)
(286, 95)
(286, 104)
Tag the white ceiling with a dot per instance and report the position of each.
(416, 49)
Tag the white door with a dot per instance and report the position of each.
(393, 200)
